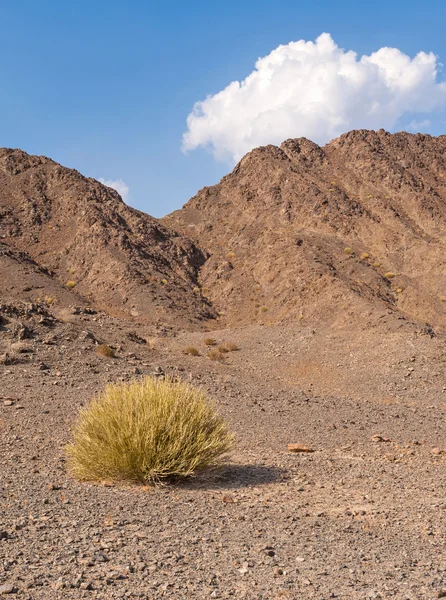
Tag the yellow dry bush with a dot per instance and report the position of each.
(228, 347)
(106, 351)
(147, 431)
(216, 355)
(191, 350)
(70, 284)
(209, 341)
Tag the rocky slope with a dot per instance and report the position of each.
(340, 233)
(76, 233)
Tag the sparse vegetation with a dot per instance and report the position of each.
(376, 264)
(147, 431)
(104, 350)
(9, 358)
(216, 355)
(230, 255)
(389, 275)
(348, 250)
(209, 341)
(70, 284)
(364, 256)
(191, 351)
(228, 347)
(263, 309)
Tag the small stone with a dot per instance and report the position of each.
(228, 500)
(7, 588)
(43, 367)
(8, 402)
(441, 593)
(59, 585)
(438, 451)
(379, 438)
(86, 585)
(299, 448)
(4, 535)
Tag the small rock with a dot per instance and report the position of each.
(86, 585)
(441, 594)
(299, 448)
(7, 588)
(438, 451)
(43, 367)
(8, 402)
(228, 500)
(4, 535)
(379, 438)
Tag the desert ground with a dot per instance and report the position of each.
(361, 516)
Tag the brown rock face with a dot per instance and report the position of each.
(341, 233)
(62, 229)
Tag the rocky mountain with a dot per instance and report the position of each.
(341, 233)
(70, 239)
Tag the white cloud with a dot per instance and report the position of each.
(117, 184)
(316, 90)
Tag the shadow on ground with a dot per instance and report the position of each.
(233, 476)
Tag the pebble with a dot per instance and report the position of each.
(7, 588)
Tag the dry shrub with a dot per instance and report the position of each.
(348, 250)
(70, 284)
(20, 347)
(9, 358)
(364, 256)
(209, 341)
(216, 355)
(191, 351)
(389, 275)
(104, 350)
(228, 347)
(147, 431)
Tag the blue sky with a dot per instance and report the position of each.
(106, 87)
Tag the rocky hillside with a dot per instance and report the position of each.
(70, 239)
(347, 232)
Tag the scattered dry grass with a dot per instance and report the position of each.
(228, 347)
(216, 355)
(263, 309)
(191, 351)
(104, 350)
(348, 250)
(147, 431)
(209, 341)
(20, 347)
(70, 284)
(364, 256)
(389, 275)
(230, 255)
(9, 358)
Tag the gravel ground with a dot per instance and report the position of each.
(360, 517)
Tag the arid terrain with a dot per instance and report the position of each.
(326, 268)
